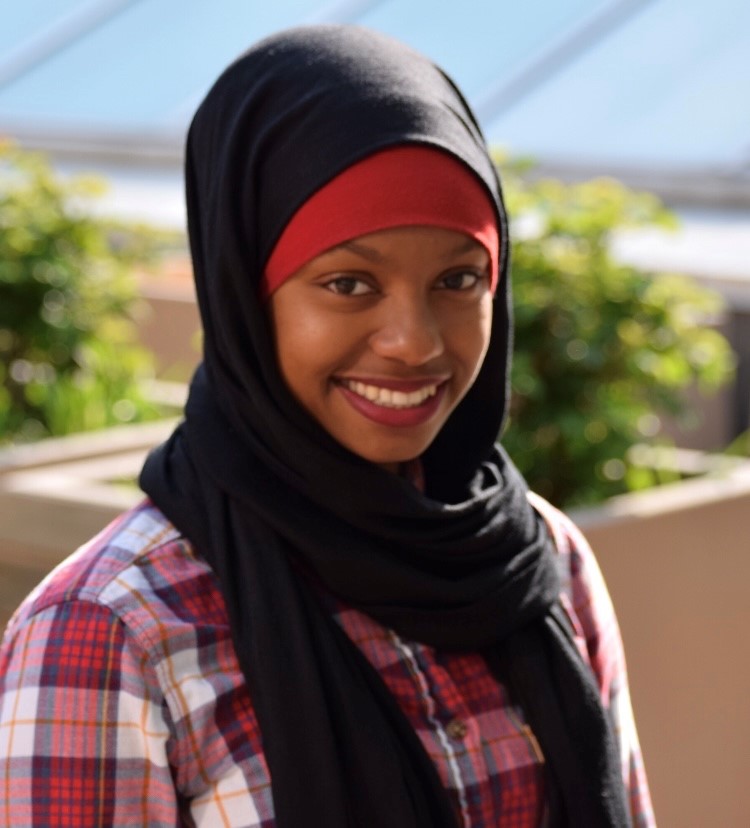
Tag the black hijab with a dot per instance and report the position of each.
(272, 501)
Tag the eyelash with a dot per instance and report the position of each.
(476, 276)
(338, 281)
(352, 281)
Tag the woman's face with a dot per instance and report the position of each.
(380, 337)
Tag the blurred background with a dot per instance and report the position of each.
(648, 91)
(622, 131)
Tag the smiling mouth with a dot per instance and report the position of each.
(390, 398)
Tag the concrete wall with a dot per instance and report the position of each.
(57, 494)
(678, 567)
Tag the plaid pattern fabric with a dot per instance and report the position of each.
(122, 702)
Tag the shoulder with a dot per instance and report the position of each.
(140, 568)
(585, 597)
(575, 556)
(137, 589)
(576, 560)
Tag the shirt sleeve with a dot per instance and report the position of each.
(84, 735)
(589, 607)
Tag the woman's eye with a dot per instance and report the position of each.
(461, 280)
(348, 286)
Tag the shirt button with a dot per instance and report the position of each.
(456, 729)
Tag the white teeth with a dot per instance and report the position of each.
(391, 399)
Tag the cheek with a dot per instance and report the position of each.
(486, 330)
(472, 338)
(306, 351)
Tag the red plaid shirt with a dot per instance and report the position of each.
(122, 702)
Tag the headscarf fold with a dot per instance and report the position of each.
(274, 503)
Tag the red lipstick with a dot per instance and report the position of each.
(396, 417)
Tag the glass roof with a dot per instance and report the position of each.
(639, 82)
(144, 67)
(28, 20)
(669, 85)
(499, 40)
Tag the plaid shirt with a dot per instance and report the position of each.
(122, 702)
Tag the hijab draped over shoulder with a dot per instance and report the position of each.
(273, 503)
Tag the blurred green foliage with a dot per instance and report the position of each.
(603, 350)
(67, 358)
(740, 446)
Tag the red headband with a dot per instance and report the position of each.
(405, 185)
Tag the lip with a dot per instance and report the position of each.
(396, 417)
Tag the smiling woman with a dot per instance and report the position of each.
(339, 604)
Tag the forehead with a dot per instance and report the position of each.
(394, 242)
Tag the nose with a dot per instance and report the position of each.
(408, 331)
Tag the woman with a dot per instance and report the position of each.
(339, 606)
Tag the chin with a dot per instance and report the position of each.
(392, 459)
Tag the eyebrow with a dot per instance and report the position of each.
(373, 255)
(363, 250)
